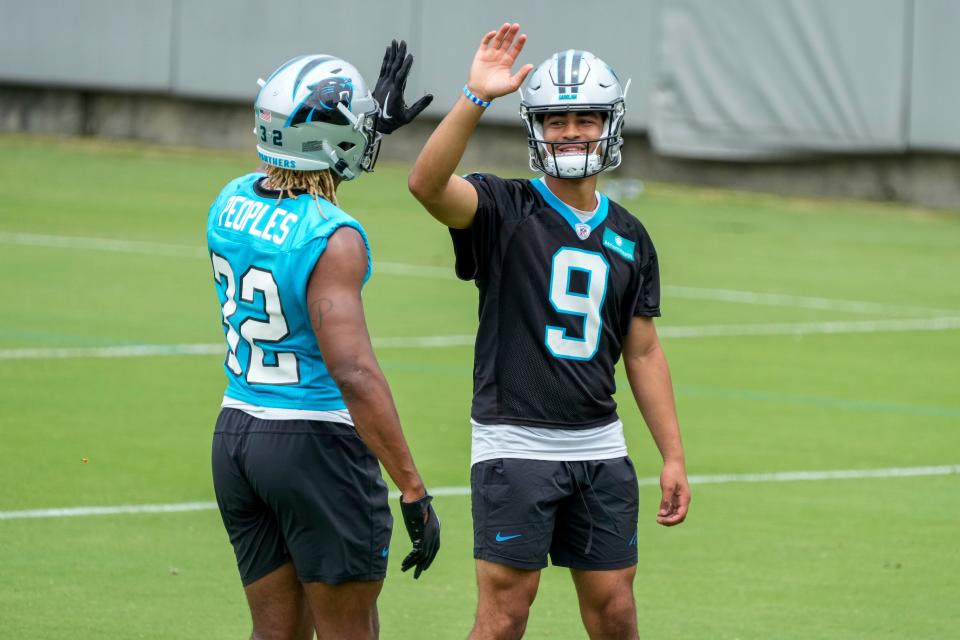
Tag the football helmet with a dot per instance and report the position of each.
(316, 112)
(573, 80)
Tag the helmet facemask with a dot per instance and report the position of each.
(345, 154)
(601, 153)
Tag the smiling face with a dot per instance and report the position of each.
(572, 126)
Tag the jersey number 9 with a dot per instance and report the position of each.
(586, 305)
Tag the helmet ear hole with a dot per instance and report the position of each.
(346, 146)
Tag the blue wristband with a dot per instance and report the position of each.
(474, 99)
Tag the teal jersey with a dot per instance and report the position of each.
(263, 253)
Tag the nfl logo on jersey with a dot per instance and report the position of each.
(583, 231)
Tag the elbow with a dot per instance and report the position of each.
(421, 187)
(415, 183)
(355, 380)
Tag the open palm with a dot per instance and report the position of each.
(491, 74)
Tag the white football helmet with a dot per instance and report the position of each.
(316, 112)
(573, 80)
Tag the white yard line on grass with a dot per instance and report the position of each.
(783, 476)
(798, 302)
(208, 349)
(802, 328)
(446, 273)
(465, 340)
(121, 351)
(102, 244)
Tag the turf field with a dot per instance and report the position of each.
(804, 336)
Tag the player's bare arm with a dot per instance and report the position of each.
(649, 377)
(448, 197)
(336, 312)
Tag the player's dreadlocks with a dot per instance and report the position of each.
(319, 184)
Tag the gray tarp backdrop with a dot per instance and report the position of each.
(756, 79)
(730, 79)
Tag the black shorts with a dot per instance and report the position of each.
(584, 514)
(302, 490)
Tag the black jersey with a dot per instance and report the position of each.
(556, 299)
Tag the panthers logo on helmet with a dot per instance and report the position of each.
(320, 105)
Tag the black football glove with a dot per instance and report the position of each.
(423, 527)
(394, 113)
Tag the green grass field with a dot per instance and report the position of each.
(871, 557)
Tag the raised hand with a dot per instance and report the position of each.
(394, 113)
(491, 74)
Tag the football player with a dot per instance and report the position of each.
(307, 415)
(568, 283)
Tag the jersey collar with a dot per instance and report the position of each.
(273, 194)
(561, 207)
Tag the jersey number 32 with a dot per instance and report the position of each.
(253, 331)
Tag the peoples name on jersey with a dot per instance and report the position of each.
(257, 218)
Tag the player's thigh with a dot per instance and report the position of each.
(595, 589)
(346, 610)
(330, 500)
(502, 587)
(607, 605)
(514, 505)
(596, 528)
(279, 606)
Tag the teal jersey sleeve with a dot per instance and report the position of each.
(263, 252)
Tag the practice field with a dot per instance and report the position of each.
(814, 347)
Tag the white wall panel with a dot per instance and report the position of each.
(762, 78)
(730, 79)
(618, 31)
(935, 104)
(225, 45)
(116, 44)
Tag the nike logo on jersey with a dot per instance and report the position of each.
(502, 538)
(386, 101)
